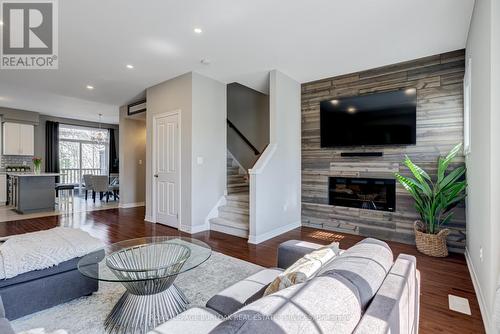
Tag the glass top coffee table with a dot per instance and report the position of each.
(147, 267)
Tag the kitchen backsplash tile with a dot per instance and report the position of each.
(15, 160)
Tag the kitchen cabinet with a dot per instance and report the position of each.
(33, 192)
(18, 139)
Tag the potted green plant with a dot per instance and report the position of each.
(37, 164)
(434, 201)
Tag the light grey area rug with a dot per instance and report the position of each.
(86, 315)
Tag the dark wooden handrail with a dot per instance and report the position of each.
(238, 132)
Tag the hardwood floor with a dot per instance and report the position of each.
(439, 277)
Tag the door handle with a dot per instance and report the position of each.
(156, 175)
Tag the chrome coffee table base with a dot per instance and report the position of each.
(141, 313)
(147, 268)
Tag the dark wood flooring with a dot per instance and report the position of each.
(439, 277)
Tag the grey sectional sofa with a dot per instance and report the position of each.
(40, 289)
(363, 290)
(5, 327)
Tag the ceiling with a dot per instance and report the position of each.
(243, 40)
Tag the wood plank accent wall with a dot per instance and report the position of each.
(439, 83)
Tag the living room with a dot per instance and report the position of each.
(331, 171)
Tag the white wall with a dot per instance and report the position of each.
(132, 156)
(495, 156)
(168, 96)
(248, 110)
(208, 181)
(202, 103)
(275, 180)
(483, 200)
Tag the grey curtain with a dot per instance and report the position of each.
(114, 165)
(52, 147)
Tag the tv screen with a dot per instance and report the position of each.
(377, 119)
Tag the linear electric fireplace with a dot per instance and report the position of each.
(363, 193)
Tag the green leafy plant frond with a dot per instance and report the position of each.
(435, 200)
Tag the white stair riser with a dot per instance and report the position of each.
(233, 171)
(229, 230)
(233, 209)
(236, 179)
(238, 198)
(236, 204)
(237, 191)
(237, 217)
(237, 185)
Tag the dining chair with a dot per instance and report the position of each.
(87, 180)
(100, 184)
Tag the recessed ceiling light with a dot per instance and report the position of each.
(89, 87)
(130, 66)
(198, 30)
(334, 102)
(351, 110)
(1, 23)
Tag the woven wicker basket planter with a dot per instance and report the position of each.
(431, 244)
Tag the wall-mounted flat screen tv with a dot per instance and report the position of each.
(388, 118)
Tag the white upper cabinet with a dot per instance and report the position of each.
(11, 135)
(27, 139)
(18, 139)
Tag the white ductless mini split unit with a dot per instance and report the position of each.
(136, 108)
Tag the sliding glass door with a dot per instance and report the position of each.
(82, 150)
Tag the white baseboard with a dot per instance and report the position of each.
(257, 239)
(130, 205)
(194, 229)
(149, 219)
(480, 296)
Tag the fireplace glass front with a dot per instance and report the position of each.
(363, 193)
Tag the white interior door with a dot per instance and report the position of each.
(167, 169)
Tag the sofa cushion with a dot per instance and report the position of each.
(304, 268)
(365, 265)
(36, 274)
(394, 309)
(195, 320)
(320, 305)
(243, 292)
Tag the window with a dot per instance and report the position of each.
(82, 150)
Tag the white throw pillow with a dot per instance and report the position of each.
(304, 268)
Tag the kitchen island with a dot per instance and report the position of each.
(33, 192)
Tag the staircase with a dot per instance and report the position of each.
(233, 216)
